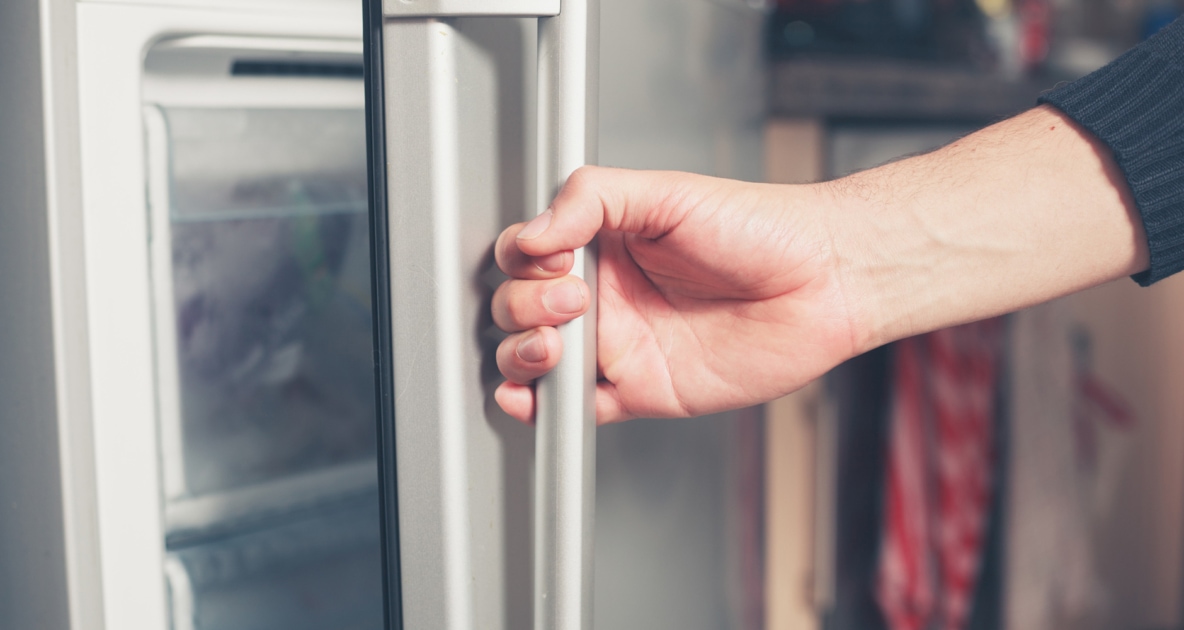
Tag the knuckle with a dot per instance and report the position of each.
(519, 303)
(582, 178)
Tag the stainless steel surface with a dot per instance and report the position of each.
(49, 556)
(668, 547)
(680, 88)
(469, 8)
(424, 185)
(683, 92)
(565, 439)
(457, 172)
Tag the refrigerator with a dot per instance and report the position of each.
(207, 421)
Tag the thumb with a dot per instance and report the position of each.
(637, 202)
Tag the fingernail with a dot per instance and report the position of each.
(565, 298)
(551, 263)
(532, 349)
(537, 226)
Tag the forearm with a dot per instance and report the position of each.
(1022, 212)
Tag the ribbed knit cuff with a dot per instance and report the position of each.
(1135, 106)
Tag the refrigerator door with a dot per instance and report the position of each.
(256, 182)
(458, 92)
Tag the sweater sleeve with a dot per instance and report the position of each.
(1135, 106)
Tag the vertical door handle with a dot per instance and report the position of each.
(565, 439)
(421, 112)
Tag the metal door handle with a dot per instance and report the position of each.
(565, 439)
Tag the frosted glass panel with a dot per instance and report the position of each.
(270, 274)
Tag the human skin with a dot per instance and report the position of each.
(716, 294)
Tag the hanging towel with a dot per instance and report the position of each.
(940, 472)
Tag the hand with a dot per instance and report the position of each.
(713, 294)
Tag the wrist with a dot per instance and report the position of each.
(1017, 214)
(875, 256)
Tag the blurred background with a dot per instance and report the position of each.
(903, 491)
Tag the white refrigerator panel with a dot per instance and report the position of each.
(112, 43)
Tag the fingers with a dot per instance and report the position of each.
(538, 255)
(646, 203)
(637, 202)
(517, 264)
(523, 304)
(518, 401)
(523, 357)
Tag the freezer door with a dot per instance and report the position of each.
(478, 110)
(259, 268)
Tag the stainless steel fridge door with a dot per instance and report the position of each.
(458, 94)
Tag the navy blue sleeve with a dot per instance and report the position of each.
(1135, 106)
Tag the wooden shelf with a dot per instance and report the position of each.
(880, 89)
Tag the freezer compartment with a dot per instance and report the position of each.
(316, 570)
(257, 192)
(267, 333)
